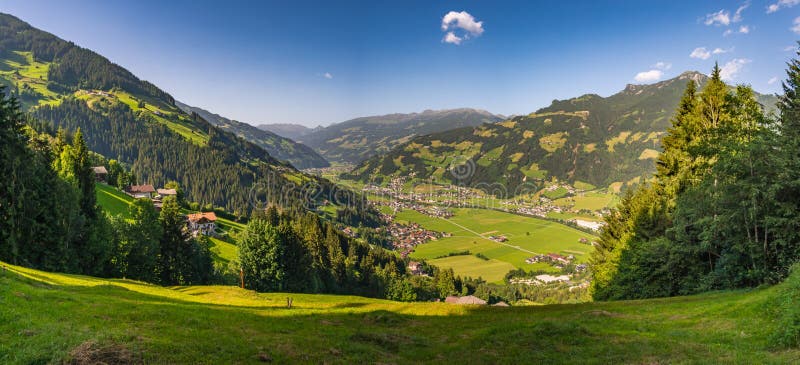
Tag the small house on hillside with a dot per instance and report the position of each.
(163, 193)
(202, 223)
(140, 191)
(100, 173)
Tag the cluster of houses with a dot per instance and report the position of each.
(594, 226)
(554, 259)
(429, 210)
(406, 237)
(198, 223)
(543, 279)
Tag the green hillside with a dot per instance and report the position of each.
(285, 149)
(54, 318)
(63, 86)
(357, 139)
(603, 141)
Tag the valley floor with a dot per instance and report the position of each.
(50, 318)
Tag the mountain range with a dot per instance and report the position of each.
(603, 141)
(282, 148)
(358, 139)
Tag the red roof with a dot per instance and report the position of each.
(196, 217)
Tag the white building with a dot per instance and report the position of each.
(203, 223)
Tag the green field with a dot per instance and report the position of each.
(470, 229)
(589, 201)
(112, 200)
(468, 265)
(55, 318)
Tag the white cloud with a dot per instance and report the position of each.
(649, 76)
(737, 17)
(701, 53)
(744, 29)
(727, 32)
(722, 17)
(661, 65)
(453, 21)
(790, 49)
(781, 4)
(772, 80)
(450, 37)
(730, 70)
(721, 51)
(796, 27)
(327, 75)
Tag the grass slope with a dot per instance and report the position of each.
(112, 200)
(44, 317)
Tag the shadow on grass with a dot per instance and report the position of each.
(173, 330)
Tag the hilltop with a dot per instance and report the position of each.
(54, 318)
(602, 141)
(282, 148)
(357, 139)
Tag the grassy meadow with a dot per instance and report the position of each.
(55, 318)
(470, 230)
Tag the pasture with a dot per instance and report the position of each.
(471, 229)
(56, 318)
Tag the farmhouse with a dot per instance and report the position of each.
(415, 268)
(167, 192)
(202, 223)
(498, 238)
(140, 191)
(100, 173)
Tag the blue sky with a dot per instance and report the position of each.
(318, 62)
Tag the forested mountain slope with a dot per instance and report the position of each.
(598, 140)
(131, 120)
(357, 139)
(282, 148)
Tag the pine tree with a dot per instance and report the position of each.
(84, 175)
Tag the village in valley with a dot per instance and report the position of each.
(430, 203)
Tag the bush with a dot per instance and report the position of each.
(787, 305)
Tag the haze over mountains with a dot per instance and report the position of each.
(603, 141)
(288, 130)
(357, 139)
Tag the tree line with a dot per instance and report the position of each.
(50, 220)
(723, 209)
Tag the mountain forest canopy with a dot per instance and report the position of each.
(722, 211)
